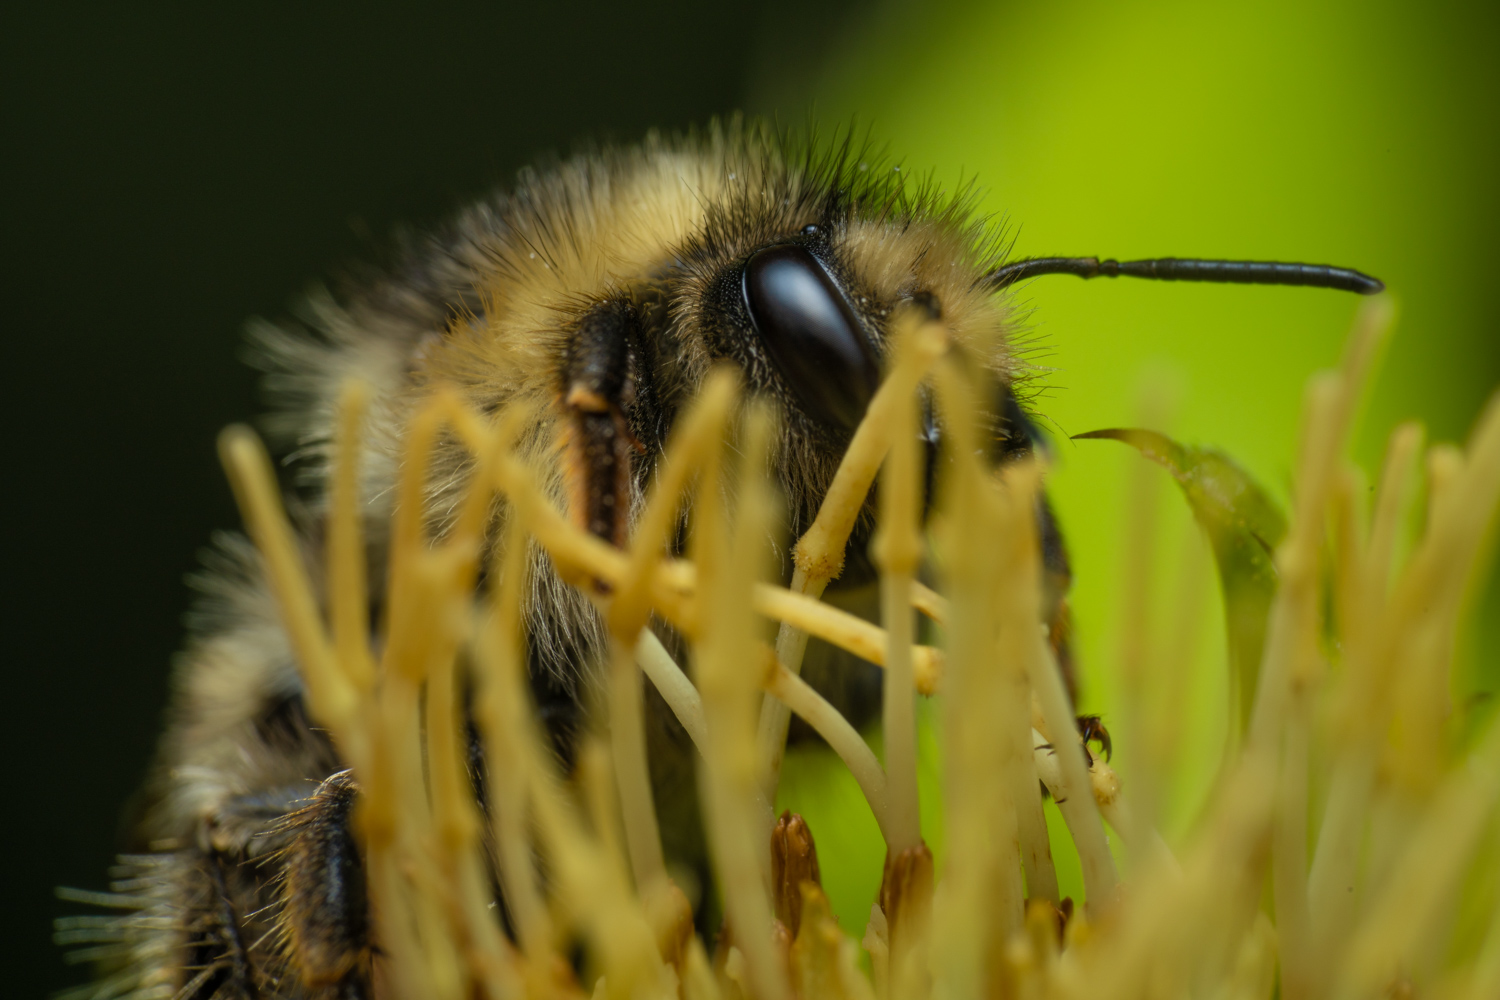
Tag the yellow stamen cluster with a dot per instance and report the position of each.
(1248, 906)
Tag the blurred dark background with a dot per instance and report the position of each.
(170, 172)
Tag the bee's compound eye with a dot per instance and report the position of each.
(811, 334)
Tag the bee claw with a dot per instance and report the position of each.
(1092, 730)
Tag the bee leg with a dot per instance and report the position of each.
(597, 390)
(479, 783)
(1056, 579)
(325, 912)
(224, 902)
(219, 945)
(1016, 437)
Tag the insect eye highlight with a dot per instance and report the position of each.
(811, 334)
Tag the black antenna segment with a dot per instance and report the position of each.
(1241, 272)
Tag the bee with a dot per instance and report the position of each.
(602, 291)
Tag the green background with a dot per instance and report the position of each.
(1360, 134)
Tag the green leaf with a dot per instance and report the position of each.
(1244, 526)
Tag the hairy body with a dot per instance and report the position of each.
(601, 292)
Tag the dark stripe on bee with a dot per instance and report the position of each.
(599, 444)
(326, 914)
(221, 950)
(1015, 433)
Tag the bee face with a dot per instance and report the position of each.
(803, 309)
(657, 263)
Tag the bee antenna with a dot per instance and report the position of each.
(1242, 272)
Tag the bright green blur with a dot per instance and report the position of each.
(1358, 134)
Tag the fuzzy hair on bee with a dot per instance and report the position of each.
(599, 294)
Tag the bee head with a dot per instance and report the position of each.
(806, 314)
